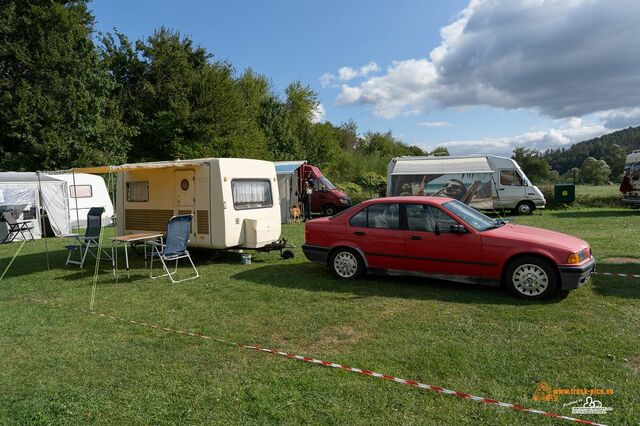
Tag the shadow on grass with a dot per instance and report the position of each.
(624, 287)
(599, 213)
(311, 277)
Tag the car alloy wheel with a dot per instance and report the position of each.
(530, 280)
(345, 264)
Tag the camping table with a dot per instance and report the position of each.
(129, 239)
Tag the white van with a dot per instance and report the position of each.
(485, 182)
(85, 191)
(631, 194)
(235, 202)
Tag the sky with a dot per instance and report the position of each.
(479, 76)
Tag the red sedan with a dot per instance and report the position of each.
(446, 239)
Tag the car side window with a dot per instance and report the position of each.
(510, 178)
(359, 220)
(423, 218)
(383, 216)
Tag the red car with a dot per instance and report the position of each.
(446, 239)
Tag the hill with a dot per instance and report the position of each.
(610, 147)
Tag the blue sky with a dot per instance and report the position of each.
(484, 76)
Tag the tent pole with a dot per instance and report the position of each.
(12, 259)
(73, 175)
(41, 222)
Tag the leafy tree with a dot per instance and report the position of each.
(594, 171)
(55, 110)
(532, 164)
(615, 158)
(440, 151)
(573, 175)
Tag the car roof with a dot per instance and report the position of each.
(418, 199)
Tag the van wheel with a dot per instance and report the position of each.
(524, 208)
(346, 264)
(329, 210)
(531, 278)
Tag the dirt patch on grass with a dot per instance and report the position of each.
(634, 363)
(618, 260)
(336, 336)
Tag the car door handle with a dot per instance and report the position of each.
(415, 237)
(360, 233)
(501, 189)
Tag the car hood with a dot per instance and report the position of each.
(535, 235)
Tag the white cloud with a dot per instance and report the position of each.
(348, 73)
(319, 114)
(620, 119)
(562, 58)
(326, 79)
(434, 124)
(573, 131)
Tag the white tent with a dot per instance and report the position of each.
(288, 175)
(25, 194)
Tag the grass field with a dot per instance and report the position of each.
(59, 365)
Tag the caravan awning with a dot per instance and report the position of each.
(141, 166)
(440, 165)
(287, 167)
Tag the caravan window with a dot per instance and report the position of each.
(251, 193)
(80, 191)
(138, 192)
(510, 178)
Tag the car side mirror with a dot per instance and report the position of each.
(458, 229)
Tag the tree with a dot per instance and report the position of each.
(615, 157)
(55, 110)
(440, 151)
(573, 175)
(595, 172)
(532, 164)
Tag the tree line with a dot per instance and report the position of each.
(70, 97)
(594, 161)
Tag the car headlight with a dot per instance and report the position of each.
(345, 201)
(578, 257)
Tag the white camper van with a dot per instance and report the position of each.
(484, 181)
(86, 191)
(631, 175)
(235, 202)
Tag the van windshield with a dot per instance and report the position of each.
(327, 183)
(471, 216)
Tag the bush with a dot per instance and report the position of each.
(582, 200)
(353, 191)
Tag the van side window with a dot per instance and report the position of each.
(80, 191)
(510, 178)
(251, 193)
(138, 192)
(423, 218)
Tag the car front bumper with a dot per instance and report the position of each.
(316, 254)
(575, 276)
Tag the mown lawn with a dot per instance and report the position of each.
(61, 365)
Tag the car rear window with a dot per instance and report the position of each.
(380, 216)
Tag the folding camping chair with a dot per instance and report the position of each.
(91, 238)
(175, 248)
(15, 227)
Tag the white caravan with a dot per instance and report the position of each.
(483, 181)
(235, 202)
(86, 191)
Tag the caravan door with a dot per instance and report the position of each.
(185, 194)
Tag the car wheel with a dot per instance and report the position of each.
(531, 278)
(346, 264)
(329, 210)
(524, 208)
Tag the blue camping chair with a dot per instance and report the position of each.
(90, 240)
(175, 247)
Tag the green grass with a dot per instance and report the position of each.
(597, 191)
(62, 366)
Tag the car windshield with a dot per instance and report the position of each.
(327, 183)
(471, 216)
